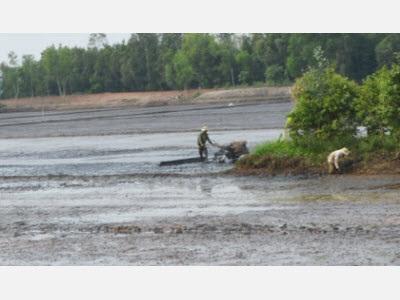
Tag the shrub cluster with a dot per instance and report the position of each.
(329, 107)
(329, 111)
(324, 106)
(378, 103)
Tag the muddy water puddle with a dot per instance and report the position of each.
(201, 220)
(125, 154)
(104, 200)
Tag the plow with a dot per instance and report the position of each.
(228, 153)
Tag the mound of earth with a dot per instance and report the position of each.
(143, 99)
(261, 93)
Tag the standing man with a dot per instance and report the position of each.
(202, 139)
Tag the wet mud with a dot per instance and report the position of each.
(76, 192)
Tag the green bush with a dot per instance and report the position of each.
(377, 144)
(324, 106)
(327, 111)
(378, 106)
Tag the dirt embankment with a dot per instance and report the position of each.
(262, 93)
(271, 166)
(145, 99)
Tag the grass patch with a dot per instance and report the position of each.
(279, 148)
(309, 155)
(279, 157)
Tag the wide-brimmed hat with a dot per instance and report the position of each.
(204, 128)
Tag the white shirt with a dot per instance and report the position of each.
(334, 157)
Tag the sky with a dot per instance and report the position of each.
(35, 43)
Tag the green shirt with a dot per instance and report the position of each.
(202, 139)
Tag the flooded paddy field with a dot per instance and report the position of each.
(85, 188)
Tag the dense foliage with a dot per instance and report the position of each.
(150, 61)
(329, 108)
(378, 105)
(324, 105)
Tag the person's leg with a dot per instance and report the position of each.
(206, 152)
(201, 153)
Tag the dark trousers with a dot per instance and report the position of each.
(203, 152)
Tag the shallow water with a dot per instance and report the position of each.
(115, 154)
(103, 200)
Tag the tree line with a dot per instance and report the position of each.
(167, 61)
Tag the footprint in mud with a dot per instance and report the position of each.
(19, 224)
(158, 230)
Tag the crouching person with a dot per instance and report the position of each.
(334, 157)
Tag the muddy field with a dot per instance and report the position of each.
(84, 188)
